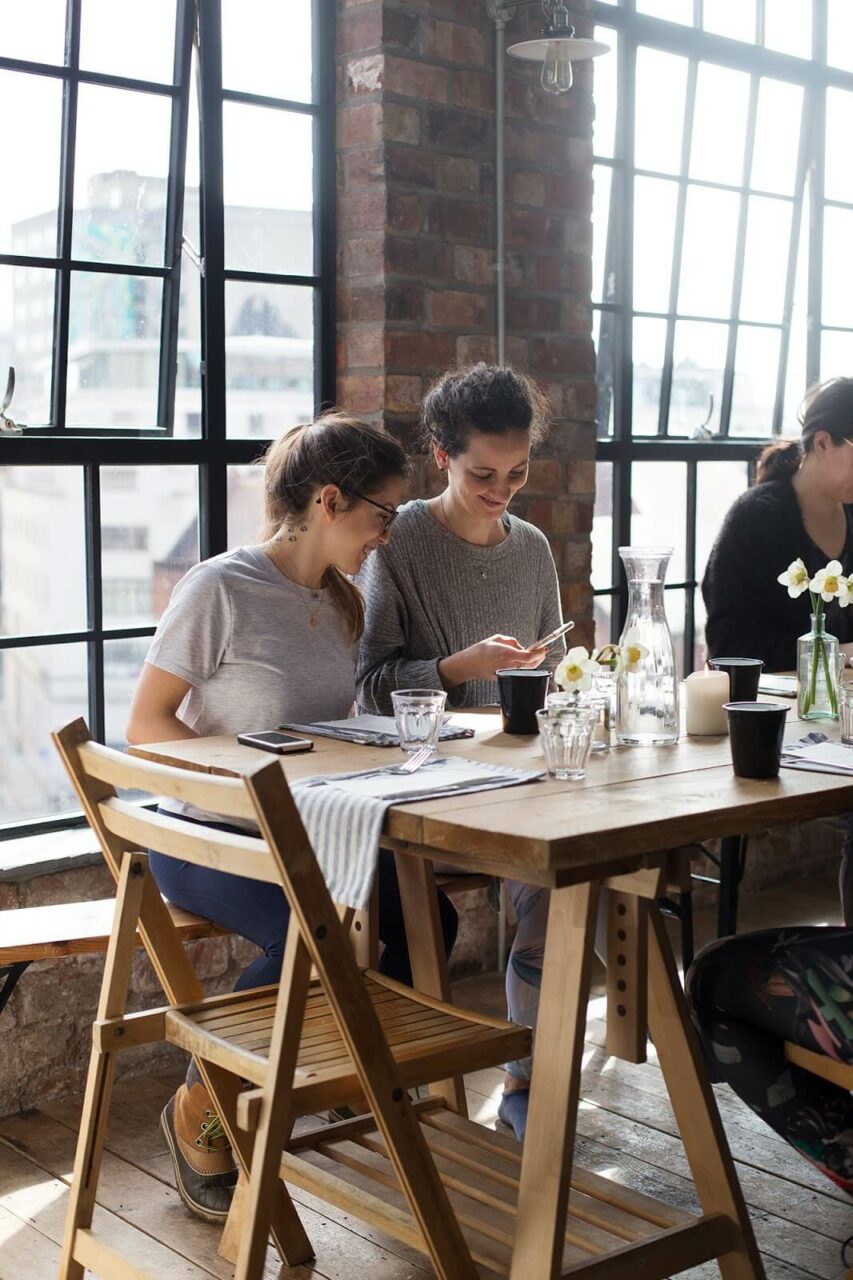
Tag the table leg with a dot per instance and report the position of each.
(546, 1163)
(694, 1105)
(732, 850)
(426, 951)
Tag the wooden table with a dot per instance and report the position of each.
(612, 831)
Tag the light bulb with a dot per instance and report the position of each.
(557, 68)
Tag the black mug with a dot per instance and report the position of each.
(522, 693)
(756, 730)
(744, 675)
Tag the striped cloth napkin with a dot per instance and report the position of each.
(344, 830)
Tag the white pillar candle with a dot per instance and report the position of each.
(706, 692)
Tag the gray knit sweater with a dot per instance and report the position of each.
(429, 594)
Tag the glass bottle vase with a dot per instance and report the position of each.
(817, 673)
(646, 682)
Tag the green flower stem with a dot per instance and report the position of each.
(830, 683)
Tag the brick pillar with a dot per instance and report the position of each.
(416, 228)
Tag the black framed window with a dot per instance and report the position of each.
(721, 283)
(166, 299)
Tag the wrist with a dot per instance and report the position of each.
(453, 670)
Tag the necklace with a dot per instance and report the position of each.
(449, 527)
(316, 593)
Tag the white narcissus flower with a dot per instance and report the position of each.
(829, 583)
(631, 655)
(576, 670)
(795, 578)
(845, 595)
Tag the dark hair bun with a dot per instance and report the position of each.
(778, 461)
(493, 399)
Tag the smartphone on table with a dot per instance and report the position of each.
(271, 740)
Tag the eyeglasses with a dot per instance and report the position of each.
(390, 513)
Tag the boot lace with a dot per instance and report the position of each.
(212, 1132)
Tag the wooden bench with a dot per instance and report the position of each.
(71, 929)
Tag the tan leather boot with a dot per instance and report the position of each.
(205, 1170)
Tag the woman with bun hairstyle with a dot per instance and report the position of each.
(800, 507)
(464, 590)
(253, 638)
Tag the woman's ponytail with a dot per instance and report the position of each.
(778, 461)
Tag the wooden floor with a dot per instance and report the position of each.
(626, 1131)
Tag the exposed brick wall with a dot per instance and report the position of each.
(416, 228)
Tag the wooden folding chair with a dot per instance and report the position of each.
(307, 1044)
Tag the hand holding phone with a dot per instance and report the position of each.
(548, 640)
(280, 743)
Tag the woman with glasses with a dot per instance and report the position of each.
(465, 589)
(251, 639)
(800, 508)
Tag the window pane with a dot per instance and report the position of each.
(28, 218)
(113, 350)
(699, 358)
(795, 375)
(837, 266)
(267, 205)
(123, 661)
(245, 505)
(188, 387)
(266, 47)
(659, 111)
(768, 238)
(717, 486)
(840, 34)
(34, 31)
(700, 620)
(787, 26)
(26, 316)
(719, 124)
(656, 522)
(602, 607)
(654, 228)
(42, 550)
(608, 325)
(777, 137)
(675, 602)
(737, 21)
(605, 92)
(120, 176)
(269, 349)
(836, 353)
(40, 688)
(706, 277)
(149, 516)
(754, 392)
(649, 343)
(838, 180)
(602, 527)
(603, 290)
(672, 10)
(106, 44)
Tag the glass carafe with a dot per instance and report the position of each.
(646, 683)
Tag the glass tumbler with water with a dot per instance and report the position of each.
(566, 737)
(845, 712)
(419, 714)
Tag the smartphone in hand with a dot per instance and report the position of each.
(552, 636)
(280, 743)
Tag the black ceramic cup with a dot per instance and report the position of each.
(522, 693)
(744, 675)
(756, 730)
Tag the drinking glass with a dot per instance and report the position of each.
(845, 712)
(418, 714)
(566, 737)
(595, 701)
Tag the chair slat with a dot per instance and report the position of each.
(818, 1064)
(204, 846)
(227, 796)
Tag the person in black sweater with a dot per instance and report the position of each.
(799, 508)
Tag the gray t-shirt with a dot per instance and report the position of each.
(257, 648)
(429, 594)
